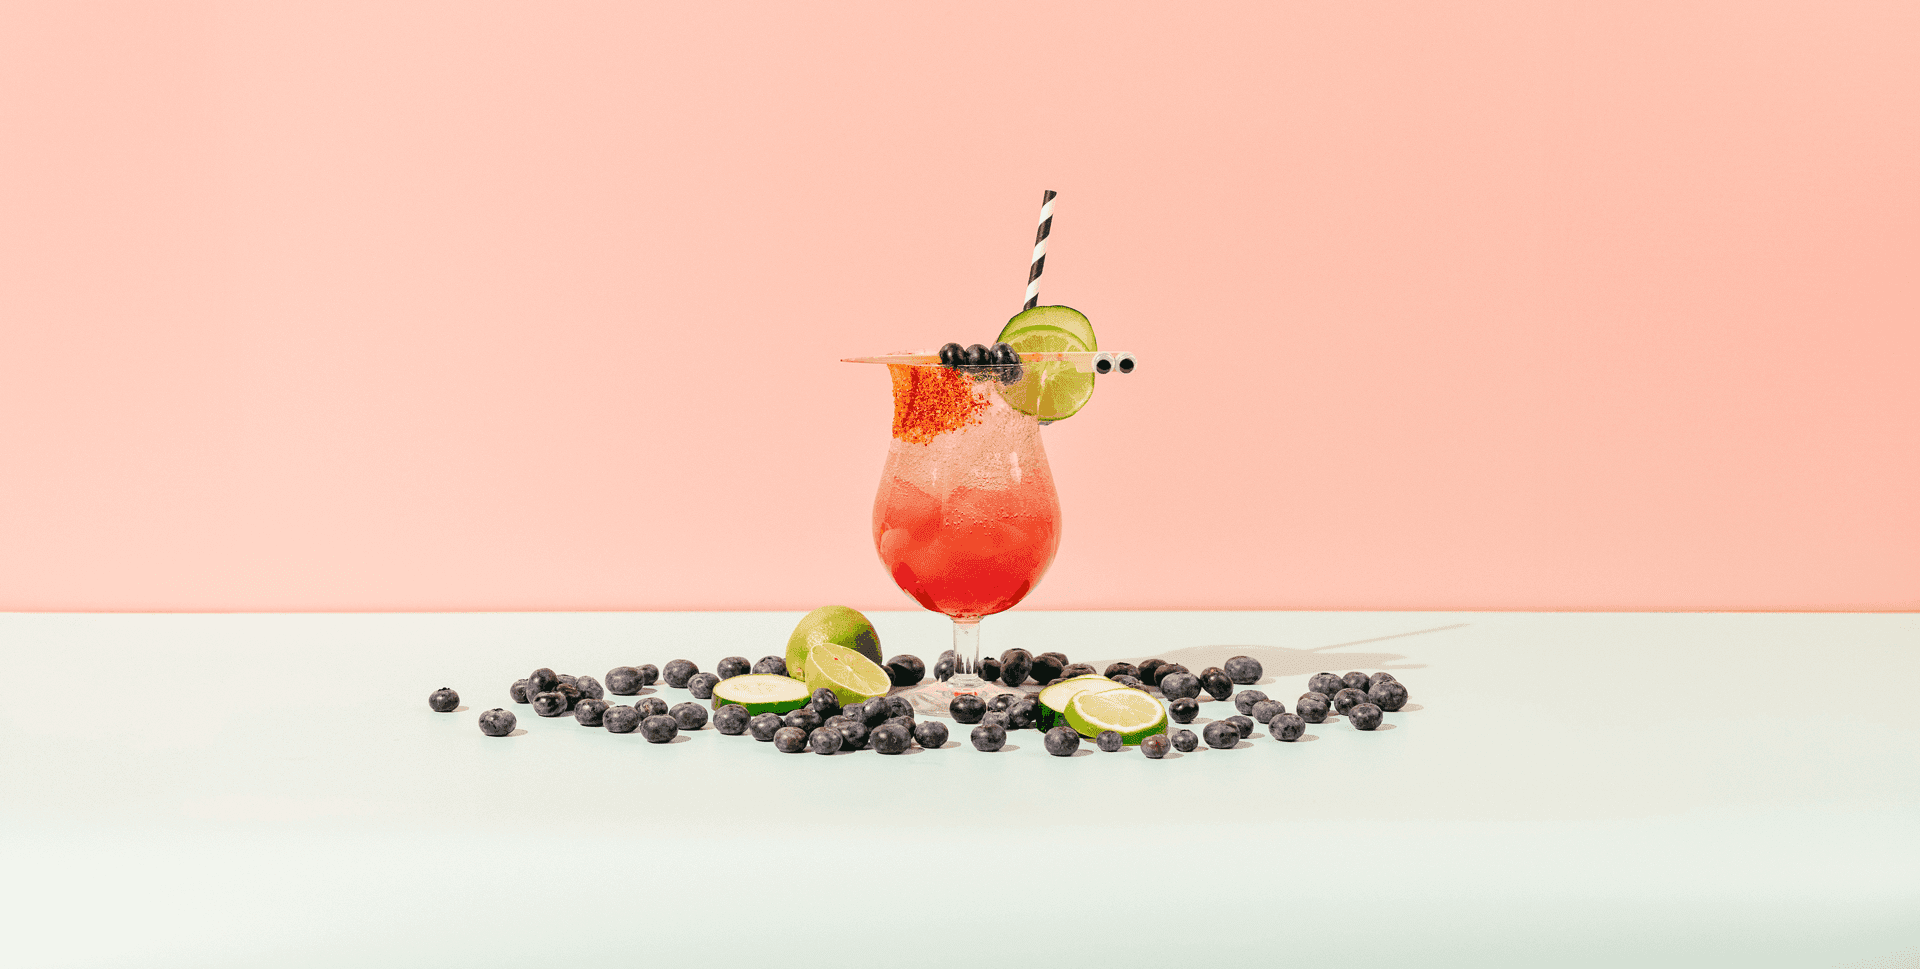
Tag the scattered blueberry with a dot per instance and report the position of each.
(805, 718)
(889, 738)
(1375, 679)
(1184, 709)
(1132, 681)
(569, 694)
(853, 733)
(1047, 667)
(589, 711)
(701, 685)
(989, 669)
(659, 729)
(1243, 670)
(826, 740)
(967, 708)
(1312, 707)
(569, 679)
(589, 687)
(824, 702)
(1015, 665)
(1325, 684)
(952, 355)
(876, 710)
(649, 674)
(1184, 741)
(623, 681)
(1164, 670)
(1121, 669)
(1072, 670)
(733, 666)
(518, 691)
(1266, 710)
(541, 680)
(906, 670)
(943, 667)
(974, 355)
(932, 735)
(899, 706)
(1356, 680)
(1364, 716)
(1062, 741)
(443, 700)
(1180, 686)
(678, 672)
(790, 740)
(1155, 746)
(763, 726)
(1215, 682)
(651, 706)
(549, 704)
(777, 665)
(1220, 734)
(1287, 727)
(1109, 741)
(904, 723)
(731, 719)
(1348, 698)
(1242, 725)
(1388, 695)
(690, 716)
(1000, 702)
(620, 719)
(1023, 713)
(998, 717)
(989, 737)
(856, 712)
(1244, 700)
(497, 722)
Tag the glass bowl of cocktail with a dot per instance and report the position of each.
(966, 520)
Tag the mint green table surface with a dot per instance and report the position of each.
(1564, 790)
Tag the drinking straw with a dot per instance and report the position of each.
(1040, 249)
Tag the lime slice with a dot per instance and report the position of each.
(1059, 317)
(1050, 390)
(1132, 713)
(839, 625)
(761, 693)
(1054, 699)
(852, 677)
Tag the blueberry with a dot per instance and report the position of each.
(996, 717)
(569, 679)
(1155, 746)
(777, 665)
(497, 722)
(952, 355)
(1243, 670)
(733, 666)
(443, 700)
(1220, 734)
(541, 680)
(1184, 709)
(1062, 741)
(1164, 670)
(589, 687)
(877, 711)
(623, 681)
(1072, 670)
(790, 740)
(549, 704)
(825, 702)
(857, 712)
(1132, 681)
(1015, 665)
(1242, 725)
(1000, 702)
(569, 691)
(1325, 684)
(659, 729)
(589, 711)
(765, 725)
(1348, 698)
(1180, 686)
(1005, 361)
(1312, 707)
(690, 716)
(731, 719)
(1356, 680)
(1287, 727)
(649, 675)
(1364, 716)
(651, 706)
(1023, 713)
(974, 356)
(966, 708)
(1377, 678)
(677, 672)
(931, 735)
(1184, 741)
(1109, 741)
(1388, 695)
(943, 667)
(988, 737)
(904, 723)
(805, 718)
(518, 691)
(1147, 666)
(1121, 669)
(1215, 682)
(1266, 710)
(1244, 700)
(620, 719)
(826, 740)
(889, 738)
(906, 670)
(853, 733)
(898, 706)
(1047, 667)
(989, 669)
(701, 685)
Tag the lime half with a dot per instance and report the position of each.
(839, 625)
(852, 677)
(1131, 713)
(1050, 390)
(761, 693)
(1059, 317)
(1054, 699)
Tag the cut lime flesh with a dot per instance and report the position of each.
(761, 693)
(830, 624)
(1059, 317)
(1054, 699)
(1049, 390)
(1133, 714)
(852, 677)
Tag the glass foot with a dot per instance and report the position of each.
(931, 698)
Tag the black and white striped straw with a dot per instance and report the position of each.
(1040, 249)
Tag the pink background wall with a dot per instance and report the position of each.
(404, 305)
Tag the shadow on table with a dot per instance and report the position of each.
(1279, 661)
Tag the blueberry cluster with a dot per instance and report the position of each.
(1016, 667)
(886, 724)
(999, 362)
(555, 694)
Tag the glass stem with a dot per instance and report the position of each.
(966, 652)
